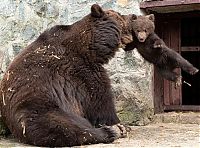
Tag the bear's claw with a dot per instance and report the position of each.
(178, 82)
(194, 71)
(121, 130)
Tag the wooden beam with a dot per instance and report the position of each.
(182, 108)
(197, 48)
(169, 6)
(149, 4)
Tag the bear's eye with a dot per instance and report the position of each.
(138, 30)
(145, 30)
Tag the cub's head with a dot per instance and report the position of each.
(143, 26)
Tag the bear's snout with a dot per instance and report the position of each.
(142, 36)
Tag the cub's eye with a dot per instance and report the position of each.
(138, 30)
(145, 30)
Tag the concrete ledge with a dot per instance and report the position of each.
(180, 117)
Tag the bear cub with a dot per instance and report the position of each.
(154, 50)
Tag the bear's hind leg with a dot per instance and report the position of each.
(57, 128)
(171, 76)
(168, 74)
(179, 61)
(105, 115)
(189, 68)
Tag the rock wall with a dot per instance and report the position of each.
(21, 21)
(132, 85)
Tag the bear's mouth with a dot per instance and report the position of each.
(142, 40)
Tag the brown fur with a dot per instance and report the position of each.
(56, 90)
(154, 50)
(143, 26)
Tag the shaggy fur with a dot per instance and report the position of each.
(56, 90)
(154, 50)
(142, 26)
(164, 59)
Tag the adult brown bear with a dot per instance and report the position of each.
(56, 90)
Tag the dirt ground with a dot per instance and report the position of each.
(153, 135)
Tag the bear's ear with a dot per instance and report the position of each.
(151, 17)
(97, 11)
(133, 17)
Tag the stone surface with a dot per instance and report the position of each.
(22, 21)
(153, 135)
(178, 117)
(131, 83)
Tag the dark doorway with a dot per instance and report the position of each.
(190, 32)
(191, 84)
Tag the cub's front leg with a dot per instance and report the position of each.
(158, 44)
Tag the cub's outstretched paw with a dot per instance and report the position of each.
(121, 130)
(178, 82)
(158, 44)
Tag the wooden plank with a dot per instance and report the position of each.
(175, 93)
(168, 16)
(197, 48)
(167, 39)
(158, 82)
(182, 108)
(170, 33)
(158, 92)
(175, 35)
(151, 4)
(173, 9)
(167, 97)
(166, 31)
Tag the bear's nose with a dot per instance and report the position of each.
(142, 36)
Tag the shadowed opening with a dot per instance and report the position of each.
(191, 94)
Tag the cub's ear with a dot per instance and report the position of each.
(151, 17)
(133, 17)
(97, 11)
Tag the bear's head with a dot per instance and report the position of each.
(142, 26)
(109, 31)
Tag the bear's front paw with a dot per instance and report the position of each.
(122, 46)
(121, 130)
(178, 82)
